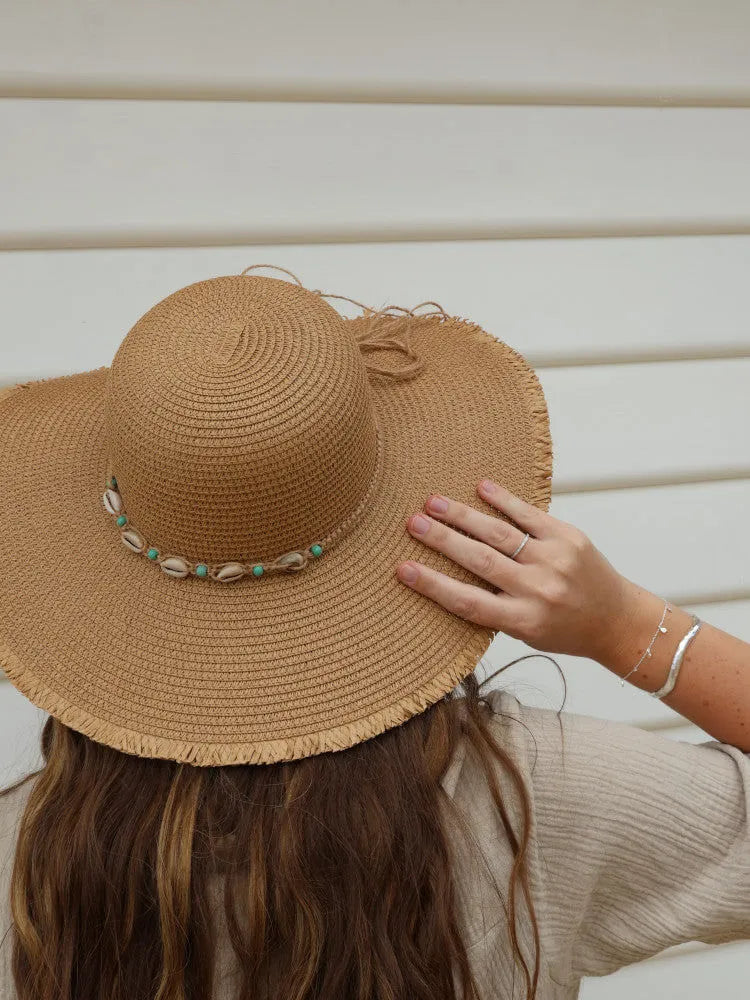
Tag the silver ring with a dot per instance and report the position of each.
(526, 538)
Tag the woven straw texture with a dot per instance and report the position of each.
(241, 421)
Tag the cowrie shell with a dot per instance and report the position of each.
(132, 540)
(174, 566)
(112, 501)
(230, 572)
(292, 561)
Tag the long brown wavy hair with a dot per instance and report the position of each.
(339, 862)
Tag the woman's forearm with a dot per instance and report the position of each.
(713, 685)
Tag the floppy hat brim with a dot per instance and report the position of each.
(265, 669)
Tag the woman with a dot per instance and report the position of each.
(259, 780)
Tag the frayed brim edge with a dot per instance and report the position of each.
(264, 752)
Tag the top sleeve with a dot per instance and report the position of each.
(643, 842)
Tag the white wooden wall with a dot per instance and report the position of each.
(573, 175)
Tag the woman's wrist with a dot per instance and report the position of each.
(712, 689)
(632, 631)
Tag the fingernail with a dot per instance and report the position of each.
(487, 486)
(408, 572)
(438, 503)
(418, 524)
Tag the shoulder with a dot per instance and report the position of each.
(566, 740)
(568, 756)
(581, 766)
(534, 734)
(563, 737)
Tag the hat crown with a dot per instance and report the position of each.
(239, 420)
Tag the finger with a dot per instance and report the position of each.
(478, 558)
(537, 522)
(487, 528)
(463, 599)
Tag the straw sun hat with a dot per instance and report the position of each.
(199, 541)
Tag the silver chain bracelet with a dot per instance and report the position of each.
(659, 629)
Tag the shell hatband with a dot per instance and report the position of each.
(179, 566)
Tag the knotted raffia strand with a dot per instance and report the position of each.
(379, 334)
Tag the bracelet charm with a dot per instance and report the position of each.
(660, 629)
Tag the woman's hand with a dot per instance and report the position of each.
(558, 595)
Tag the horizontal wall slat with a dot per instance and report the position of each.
(688, 542)
(558, 301)
(667, 421)
(422, 48)
(123, 172)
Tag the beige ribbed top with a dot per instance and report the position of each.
(639, 843)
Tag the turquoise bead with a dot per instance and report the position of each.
(152, 553)
(317, 550)
(122, 520)
(113, 483)
(257, 571)
(201, 569)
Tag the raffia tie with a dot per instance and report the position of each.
(389, 328)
